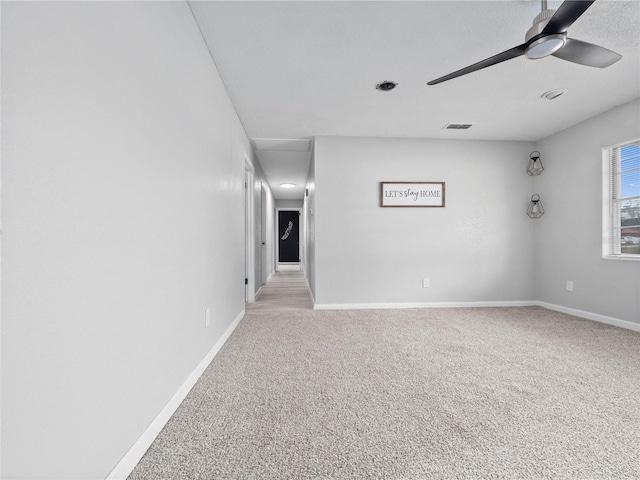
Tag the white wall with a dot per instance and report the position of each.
(292, 204)
(122, 209)
(479, 248)
(569, 236)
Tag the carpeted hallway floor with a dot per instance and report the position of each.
(486, 393)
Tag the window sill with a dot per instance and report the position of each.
(629, 258)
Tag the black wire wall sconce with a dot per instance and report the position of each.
(535, 210)
(534, 167)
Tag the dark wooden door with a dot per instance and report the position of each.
(288, 236)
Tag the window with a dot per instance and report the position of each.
(621, 212)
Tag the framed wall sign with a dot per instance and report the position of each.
(412, 194)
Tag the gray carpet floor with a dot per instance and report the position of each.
(486, 393)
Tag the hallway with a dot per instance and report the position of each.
(286, 290)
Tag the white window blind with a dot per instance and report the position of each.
(622, 227)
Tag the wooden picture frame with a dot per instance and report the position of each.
(412, 194)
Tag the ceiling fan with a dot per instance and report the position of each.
(548, 36)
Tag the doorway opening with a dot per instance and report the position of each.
(288, 244)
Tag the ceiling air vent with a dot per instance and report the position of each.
(458, 126)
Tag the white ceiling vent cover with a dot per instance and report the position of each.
(458, 126)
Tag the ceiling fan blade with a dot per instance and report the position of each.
(588, 54)
(566, 14)
(487, 62)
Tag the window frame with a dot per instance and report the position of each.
(611, 200)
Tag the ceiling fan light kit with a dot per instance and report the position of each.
(545, 46)
(548, 36)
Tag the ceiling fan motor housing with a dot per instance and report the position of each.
(546, 45)
(539, 23)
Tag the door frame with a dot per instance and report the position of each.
(301, 239)
(264, 274)
(249, 233)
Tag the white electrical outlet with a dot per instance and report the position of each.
(425, 283)
(569, 286)
(207, 317)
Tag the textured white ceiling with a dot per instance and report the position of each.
(299, 69)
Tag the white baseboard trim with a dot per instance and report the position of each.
(591, 316)
(266, 281)
(139, 448)
(313, 299)
(525, 303)
(391, 306)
